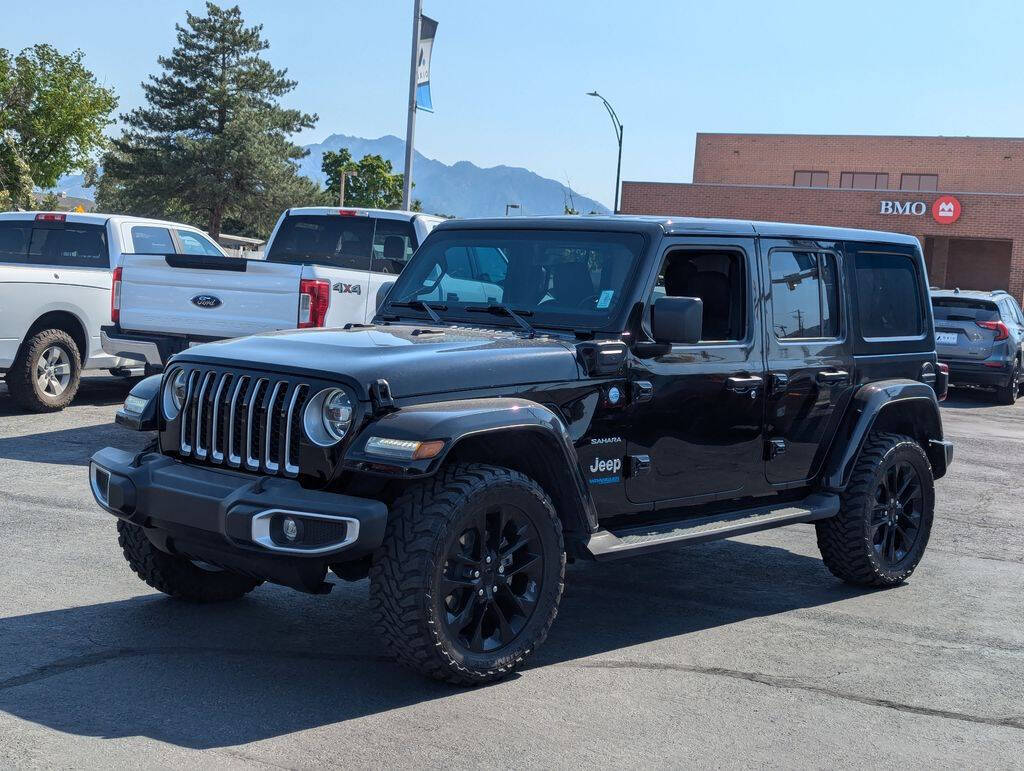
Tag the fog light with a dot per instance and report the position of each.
(290, 528)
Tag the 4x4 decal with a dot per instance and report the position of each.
(347, 288)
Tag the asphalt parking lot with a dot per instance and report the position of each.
(739, 653)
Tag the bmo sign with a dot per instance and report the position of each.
(945, 209)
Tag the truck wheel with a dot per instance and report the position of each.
(1008, 394)
(885, 518)
(178, 576)
(467, 581)
(46, 373)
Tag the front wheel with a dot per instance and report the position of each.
(177, 576)
(468, 579)
(882, 528)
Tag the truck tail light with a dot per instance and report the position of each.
(50, 217)
(942, 381)
(115, 296)
(314, 300)
(996, 326)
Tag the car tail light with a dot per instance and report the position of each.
(50, 217)
(314, 300)
(115, 297)
(942, 381)
(348, 212)
(996, 326)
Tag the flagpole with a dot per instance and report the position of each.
(410, 126)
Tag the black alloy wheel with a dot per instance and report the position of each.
(897, 514)
(492, 578)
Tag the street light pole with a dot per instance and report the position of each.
(410, 126)
(617, 124)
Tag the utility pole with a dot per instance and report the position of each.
(410, 127)
(341, 185)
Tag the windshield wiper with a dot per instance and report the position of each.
(423, 305)
(501, 309)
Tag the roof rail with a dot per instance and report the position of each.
(999, 291)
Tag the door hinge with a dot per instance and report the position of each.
(776, 447)
(639, 465)
(643, 391)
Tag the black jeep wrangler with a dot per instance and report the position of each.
(537, 390)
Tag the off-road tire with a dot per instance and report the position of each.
(845, 540)
(177, 576)
(22, 382)
(404, 604)
(1008, 394)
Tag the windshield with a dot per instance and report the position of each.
(558, 278)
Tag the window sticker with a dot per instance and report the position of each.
(605, 299)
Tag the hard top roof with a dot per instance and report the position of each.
(680, 226)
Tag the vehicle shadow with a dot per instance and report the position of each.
(70, 446)
(278, 662)
(970, 399)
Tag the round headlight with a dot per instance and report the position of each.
(175, 391)
(328, 416)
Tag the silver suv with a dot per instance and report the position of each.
(980, 335)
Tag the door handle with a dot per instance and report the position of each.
(833, 376)
(743, 384)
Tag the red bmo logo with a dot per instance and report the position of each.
(946, 209)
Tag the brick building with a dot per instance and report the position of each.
(963, 197)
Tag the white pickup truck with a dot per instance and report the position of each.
(55, 281)
(324, 267)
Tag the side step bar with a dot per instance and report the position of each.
(629, 542)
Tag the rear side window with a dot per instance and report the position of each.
(888, 296)
(14, 240)
(956, 309)
(392, 246)
(152, 240)
(193, 243)
(334, 240)
(805, 295)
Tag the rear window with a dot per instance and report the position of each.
(888, 296)
(338, 241)
(72, 244)
(955, 309)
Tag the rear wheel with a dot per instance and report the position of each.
(47, 371)
(882, 528)
(178, 576)
(467, 581)
(1008, 394)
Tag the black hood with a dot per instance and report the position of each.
(413, 359)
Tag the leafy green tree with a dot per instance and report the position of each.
(52, 116)
(212, 145)
(372, 182)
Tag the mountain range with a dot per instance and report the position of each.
(462, 189)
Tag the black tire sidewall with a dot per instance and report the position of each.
(21, 379)
(539, 511)
(904, 450)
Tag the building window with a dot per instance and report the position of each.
(810, 179)
(925, 182)
(864, 180)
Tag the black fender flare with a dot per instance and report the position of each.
(908, 404)
(147, 389)
(454, 422)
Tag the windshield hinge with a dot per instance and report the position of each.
(380, 396)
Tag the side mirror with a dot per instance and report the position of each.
(382, 293)
(677, 319)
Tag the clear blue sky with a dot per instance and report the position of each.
(509, 78)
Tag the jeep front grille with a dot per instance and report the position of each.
(242, 420)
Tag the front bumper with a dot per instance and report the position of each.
(975, 373)
(237, 521)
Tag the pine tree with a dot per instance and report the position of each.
(212, 144)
